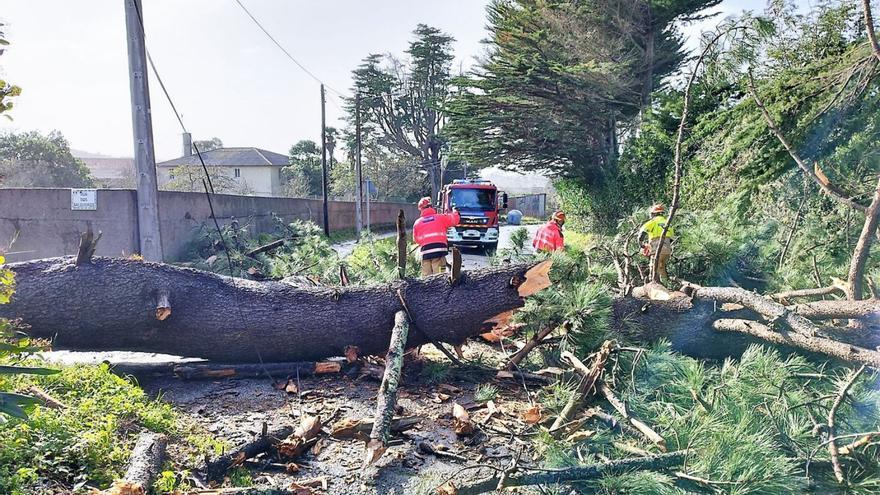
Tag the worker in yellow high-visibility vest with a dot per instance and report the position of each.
(651, 231)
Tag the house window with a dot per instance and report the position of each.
(237, 172)
(280, 173)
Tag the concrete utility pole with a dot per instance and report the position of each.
(359, 197)
(324, 185)
(142, 127)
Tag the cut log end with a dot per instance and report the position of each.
(163, 305)
(537, 278)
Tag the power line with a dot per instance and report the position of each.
(291, 57)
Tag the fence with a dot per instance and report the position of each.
(42, 224)
(532, 205)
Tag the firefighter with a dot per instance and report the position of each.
(650, 232)
(549, 237)
(429, 232)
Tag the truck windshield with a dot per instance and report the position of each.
(473, 199)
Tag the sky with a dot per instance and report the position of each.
(226, 78)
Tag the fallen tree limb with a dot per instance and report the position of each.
(832, 444)
(302, 438)
(771, 310)
(215, 470)
(579, 473)
(232, 371)
(143, 466)
(644, 429)
(351, 428)
(264, 248)
(820, 345)
(586, 387)
(827, 310)
(234, 320)
(819, 291)
(386, 398)
(527, 348)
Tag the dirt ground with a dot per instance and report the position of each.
(235, 410)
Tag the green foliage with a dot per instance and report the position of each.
(88, 441)
(303, 177)
(375, 261)
(748, 424)
(435, 371)
(560, 78)
(8, 91)
(31, 159)
(403, 103)
(208, 144)
(485, 392)
(191, 178)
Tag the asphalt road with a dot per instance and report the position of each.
(476, 258)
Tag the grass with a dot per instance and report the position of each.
(435, 371)
(87, 443)
(485, 393)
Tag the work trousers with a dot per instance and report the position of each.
(665, 252)
(432, 266)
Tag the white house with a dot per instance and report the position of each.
(258, 171)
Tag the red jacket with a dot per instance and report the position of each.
(549, 238)
(429, 232)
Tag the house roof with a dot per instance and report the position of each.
(232, 157)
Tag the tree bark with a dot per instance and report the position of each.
(216, 469)
(386, 397)
(819, 345)
(146, 461)
(827, 310)
(856, 278)
(109, 304)
(214, 371)
(869, 26)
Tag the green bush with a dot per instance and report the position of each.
(89, 441)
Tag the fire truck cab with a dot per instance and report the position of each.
(479, 203)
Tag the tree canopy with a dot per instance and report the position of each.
(403, 101)
(31, 159)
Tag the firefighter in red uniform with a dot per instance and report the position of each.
(429, 233)
(549, 237)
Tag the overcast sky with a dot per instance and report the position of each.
(226, 77)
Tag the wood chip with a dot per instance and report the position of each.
(532, 415)
(351, 353)
(461, 420)
(447, 488)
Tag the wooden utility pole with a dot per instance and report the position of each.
(142, 127)
(324, 184)
(359, 197)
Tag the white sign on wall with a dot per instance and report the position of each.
(83, 199)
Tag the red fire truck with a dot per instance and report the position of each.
(479, 203)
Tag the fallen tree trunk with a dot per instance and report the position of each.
(579, 473)
(110, 304)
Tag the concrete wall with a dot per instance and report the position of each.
(43, 225)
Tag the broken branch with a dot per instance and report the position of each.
(387, 395)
